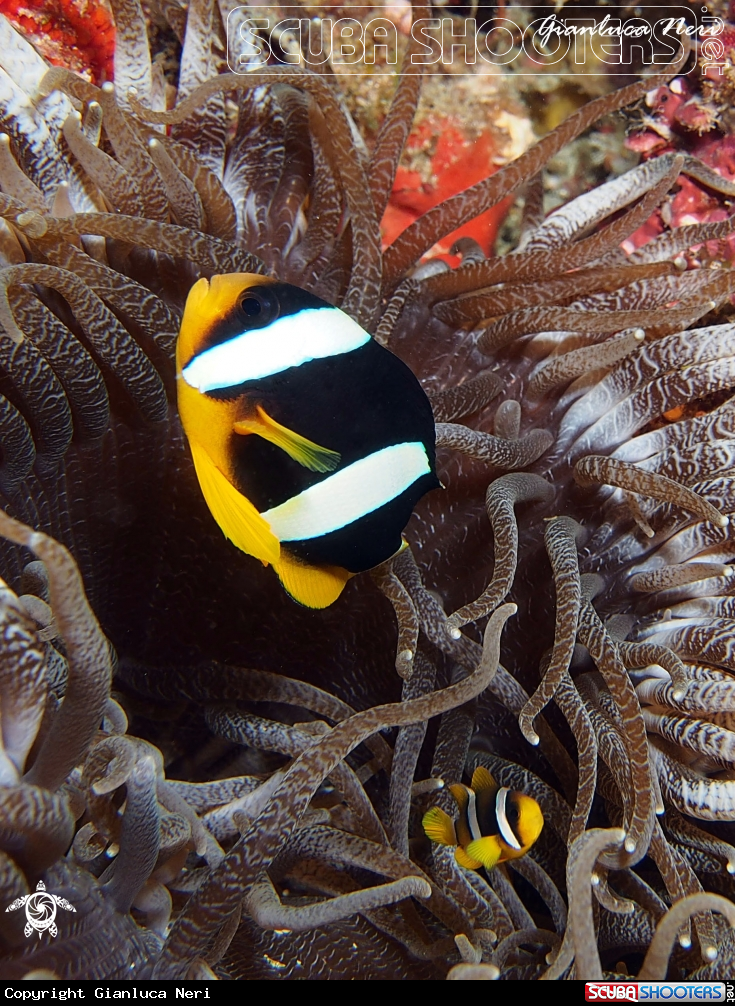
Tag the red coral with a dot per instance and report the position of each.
(457, 163)
(682, 119)
(78, 34)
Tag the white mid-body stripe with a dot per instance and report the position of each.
(349, 494)
(472, 816)
(290, 341)
(505, 829)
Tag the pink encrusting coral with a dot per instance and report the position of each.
(691, 114)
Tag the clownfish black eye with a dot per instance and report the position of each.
(257, 308)
(251, 306)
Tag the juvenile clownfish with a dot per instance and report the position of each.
(311, 442)
(494, 824)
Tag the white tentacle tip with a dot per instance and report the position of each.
(35, 539)
(730, 866)
(629, 845)
(32, 224)
(594, 879)
(723, 520)
(679, 694)
(473, 972)
(454, 632)
(710, 953)
(423, 887)
(404, 663)
(685, 941)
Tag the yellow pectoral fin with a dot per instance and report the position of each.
(466, 861)
(236, 515)
(312, 586)
(481, 779)
(439, 827)
(487, 850)
(306, 452)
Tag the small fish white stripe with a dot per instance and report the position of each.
(290, 341)
(505, 829)
(472, 816)
(349, 494)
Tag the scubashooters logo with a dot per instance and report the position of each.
(655, 991)
(41, 910)
(584, 40)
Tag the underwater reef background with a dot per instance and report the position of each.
(227, 785)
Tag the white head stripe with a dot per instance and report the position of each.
(472, 816)
(349, 494)
(505, 829)
(312, 334)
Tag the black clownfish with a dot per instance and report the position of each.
(495, 824)
(311, 442)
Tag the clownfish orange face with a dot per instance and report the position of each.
(311, 442)
(495, 824)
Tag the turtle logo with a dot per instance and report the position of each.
(40, 909)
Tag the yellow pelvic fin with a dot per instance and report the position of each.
(306, 452)
(460, 794)
(312, 586)
(486, 850)
(481, 779)
(439, 827)
(235, 514)
(466, 861)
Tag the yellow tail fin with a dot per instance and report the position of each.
(439, 827)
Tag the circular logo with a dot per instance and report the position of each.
(40, 910)
(41, 913)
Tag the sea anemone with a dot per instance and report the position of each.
(227, 812)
